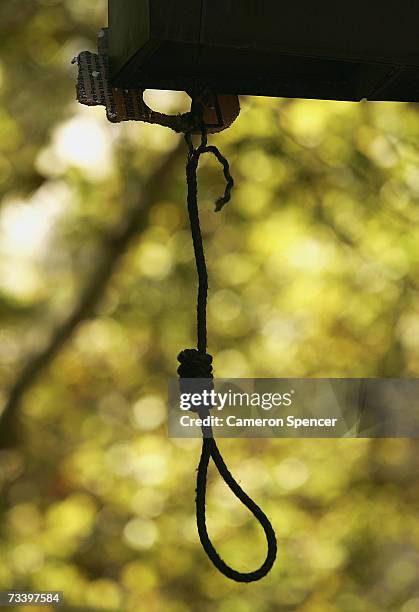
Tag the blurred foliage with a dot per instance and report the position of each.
(313, 272)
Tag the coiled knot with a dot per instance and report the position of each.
(195, 365)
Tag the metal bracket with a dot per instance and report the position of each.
(218, 112)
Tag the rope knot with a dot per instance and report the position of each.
(195, 365)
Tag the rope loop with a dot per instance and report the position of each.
(210, 450)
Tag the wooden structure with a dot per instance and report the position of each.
(328, 49)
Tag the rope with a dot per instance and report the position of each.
(196, 363)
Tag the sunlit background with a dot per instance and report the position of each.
(313, 272)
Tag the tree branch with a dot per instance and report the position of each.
(114, 246)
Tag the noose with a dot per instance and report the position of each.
(196, 363)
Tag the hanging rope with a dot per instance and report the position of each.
(196, 363)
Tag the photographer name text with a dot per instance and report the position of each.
(234, 421)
